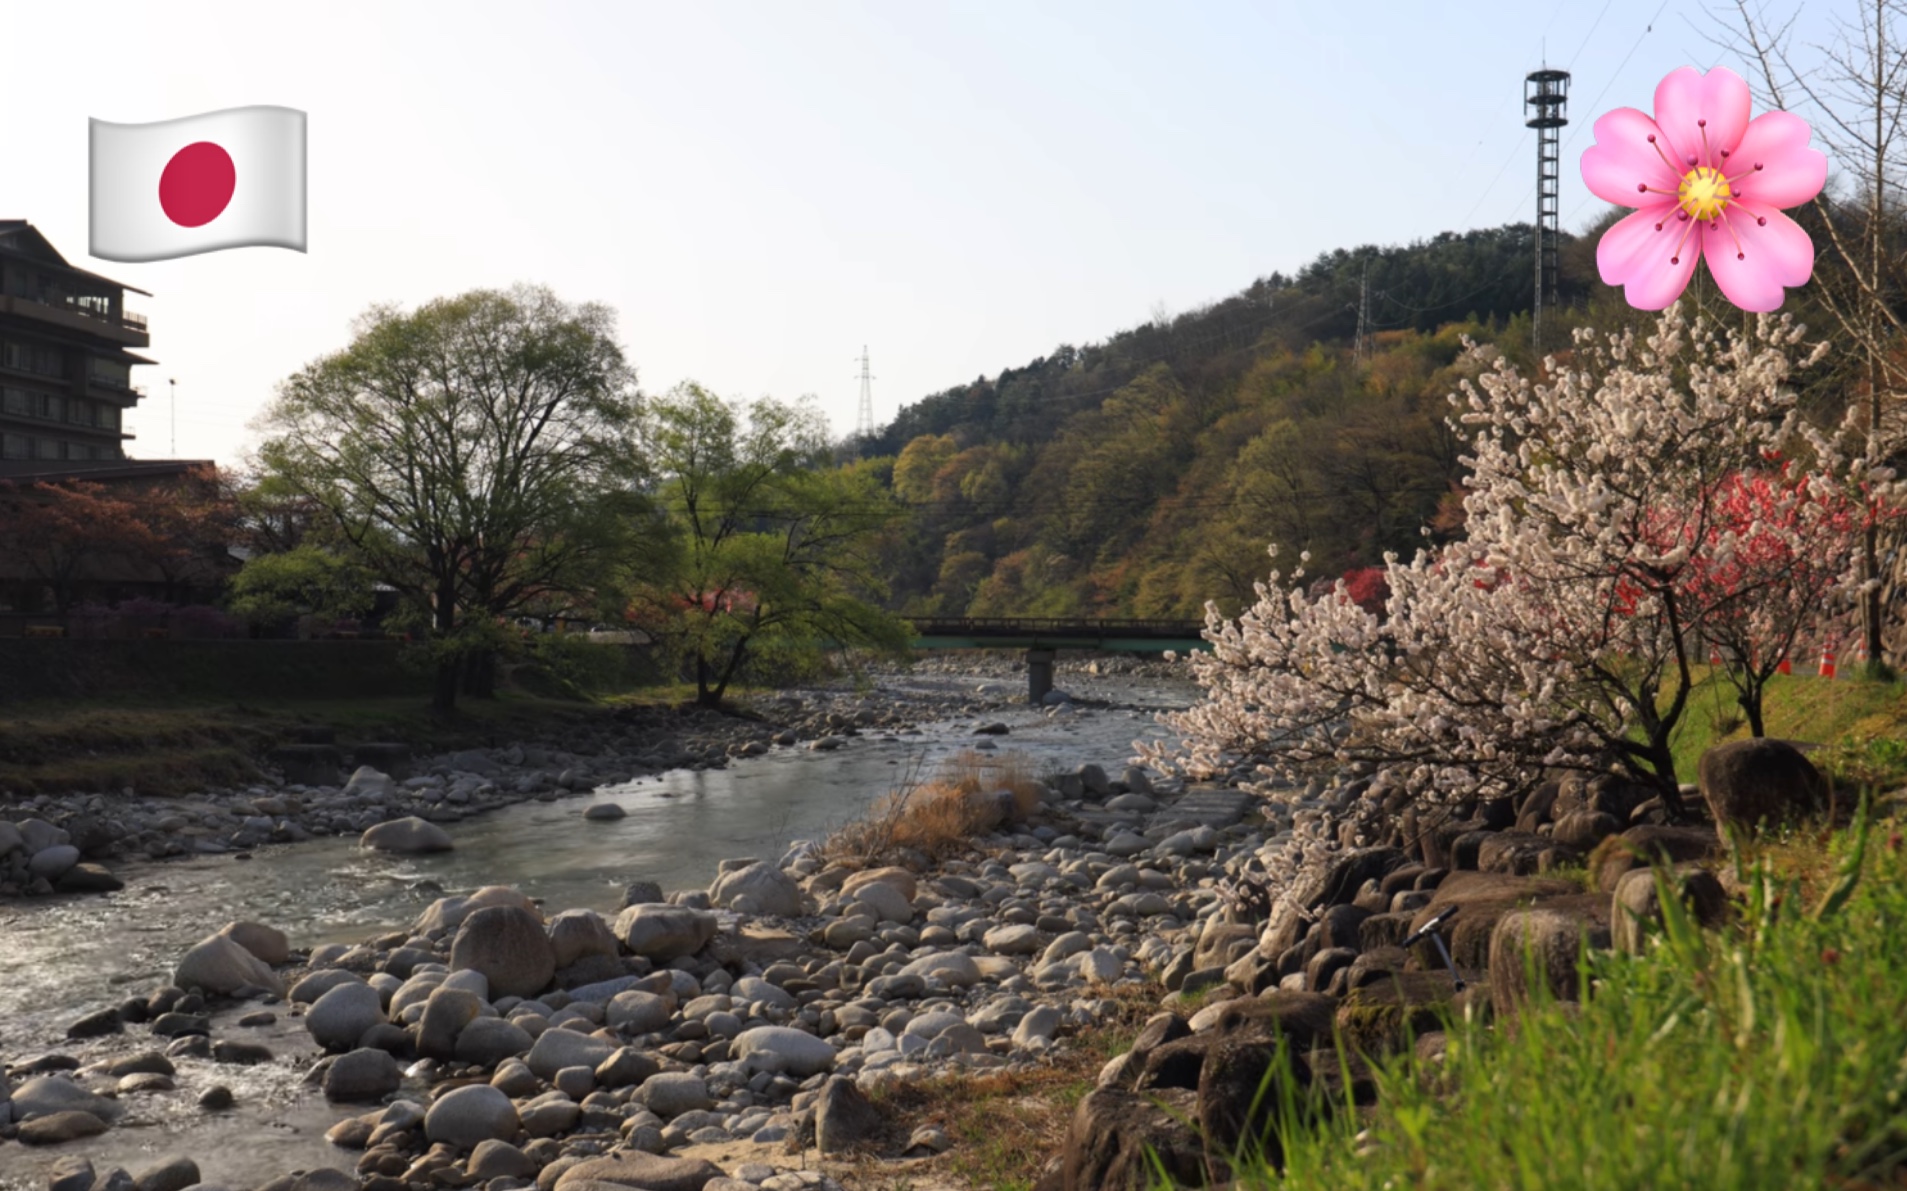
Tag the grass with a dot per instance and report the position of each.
(57, 747)
(1770, 1055)
(1864, 718)
(939, 815)
(1006, 1124)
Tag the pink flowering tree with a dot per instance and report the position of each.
(1562, 631)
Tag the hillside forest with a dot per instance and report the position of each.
(1146, 474)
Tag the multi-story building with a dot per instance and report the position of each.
(65, 371)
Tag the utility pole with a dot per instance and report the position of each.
(864, 424)
(1362, 350)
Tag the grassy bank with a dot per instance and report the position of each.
(1863, 719)
(1770, 1055)
(177, 747)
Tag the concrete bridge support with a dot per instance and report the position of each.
(1039, 674)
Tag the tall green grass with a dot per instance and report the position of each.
(1772, 1054)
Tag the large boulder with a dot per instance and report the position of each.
(339, 1018)
(843, 1116)
(218, 964)
(782, 1049)
(769, 889)
(509, 946)
(362, 1075)
(267, 943)
(1636, 906)
(1749, 784)
(578, 933)
(446, 1012)
(556, 1049)
(637, 1011)
(448, 913)
(408, 836)
(487, 1041)
(1122, 1141)
(1537, 950)
(648, 1172)
(468, 1116)
(665, 932)
(1647, 844)
(44, 1095)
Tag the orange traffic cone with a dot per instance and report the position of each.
(1827, 662)
(1784, 666)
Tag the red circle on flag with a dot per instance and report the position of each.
(197, 184)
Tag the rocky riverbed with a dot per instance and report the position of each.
(742, 1035)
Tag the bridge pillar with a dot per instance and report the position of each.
(1039, 674)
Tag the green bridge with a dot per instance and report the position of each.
(1043, 637)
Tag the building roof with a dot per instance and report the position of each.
(52, 471)
(20, 238)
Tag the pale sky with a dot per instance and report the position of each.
(759, 189)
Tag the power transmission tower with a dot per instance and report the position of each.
(1546, 104)
(864, 425)
(1362, 348)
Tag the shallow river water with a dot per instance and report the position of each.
(62, 957)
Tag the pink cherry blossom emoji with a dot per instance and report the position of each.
(1707, 182)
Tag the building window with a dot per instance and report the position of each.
(114, 373)
(108, 416)
(12, 446)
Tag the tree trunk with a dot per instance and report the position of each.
(480, 674)
(449, 667)
(1751, 707)
(444, 695)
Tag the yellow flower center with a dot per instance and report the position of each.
(1704, 194)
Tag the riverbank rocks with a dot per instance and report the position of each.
(466, 1117)
(1636, 906)
(782, 1049)
(219, 964)
(1751, 784)
(509, 946)
(448, 913)
(56, 1128)
(556, 1049)
(409, 836)
(45, 1095)
(646, 1172)
(362, 1075)
(1538, 948)
(342, 1016)
(268, 944)
(662, 932)
(767, 889)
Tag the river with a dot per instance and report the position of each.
(64, 956)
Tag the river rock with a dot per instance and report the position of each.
(362, 1075)
(843, 1116)
(88, 877)
(771, 889)
(903, 881)
(469, 1115)
(446, 1012)
(487, 1041)
(949, 967)
(558, 1048)
(407, 837)
(11, 840)
(604, 812)
(509, 946)
(672, 1093)
(218, 964)
(665, 932)
(45, 1095)
(1013, 939)
(648, 1172)
(266, 943)
(782, 1049)
(577, 933)
(37, 835)
(58, 1127)
(321, 982)
(638, 1012)
(448, 913)
(174, 1174)
(494, 1159)
(52, 862)
(886, 902)
(339, 1018)
(370, 786)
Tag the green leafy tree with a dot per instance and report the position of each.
(306, 580)
(476, 454)
(775, 553)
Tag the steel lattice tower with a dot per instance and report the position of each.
(1546, 106)
(864, 424)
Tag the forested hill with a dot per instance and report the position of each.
(1145, 474)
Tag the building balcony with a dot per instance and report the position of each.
(66, 312)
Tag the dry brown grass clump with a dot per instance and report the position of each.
(971, 794)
